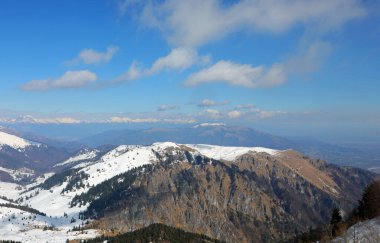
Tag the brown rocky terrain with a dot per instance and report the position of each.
(255, 198)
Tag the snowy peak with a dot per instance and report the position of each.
(210, 125)
(228, 153)
(15, 142)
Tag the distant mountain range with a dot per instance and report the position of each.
(19, 153)
(223, 135)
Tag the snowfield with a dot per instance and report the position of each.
(228, 153)
(19, 225)
(10, 190)
(15, 142)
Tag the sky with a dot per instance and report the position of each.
(308, 68)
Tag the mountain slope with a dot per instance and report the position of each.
(251, 200)
(228, 193)
(237, 194)
(17, 153)
(15, 142)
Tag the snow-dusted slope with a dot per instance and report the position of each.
(113, 163)
(19, 225)
(10, 190)
(117, 161)
(18, 174)
(83, 155)
(228, 153)
(92, 170)
(15, 142)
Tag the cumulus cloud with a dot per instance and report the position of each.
(237, 74)
(208, 103)
(167, 107)
(90, 56)
(307, 60)
(178, 59)
(70, 80)
(198, 22)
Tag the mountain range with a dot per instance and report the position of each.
(224, 135)
(229, 193)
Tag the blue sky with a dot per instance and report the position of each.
(307, 66)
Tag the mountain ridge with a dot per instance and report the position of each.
(228, 193)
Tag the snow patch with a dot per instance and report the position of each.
(228, 153)
(19, 225)
(10, 190)
(84, 155)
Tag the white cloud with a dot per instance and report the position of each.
(96, 118)
(204, 116)
(236, 74)
(198, 22)
(70, 80)
(28, 119)
(180, 120)
(90, 56)
(167, 107)
(307, 60)
(118, 119)
(208, 103)
(56, 120)
(178, 59)
(234, 114)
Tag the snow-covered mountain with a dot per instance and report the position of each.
(18, 155)
(16, 142)
(65, 200)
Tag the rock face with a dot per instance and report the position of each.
(253, 198)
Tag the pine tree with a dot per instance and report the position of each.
(336, 218)
(369, 205)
